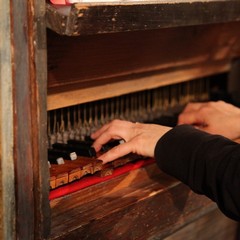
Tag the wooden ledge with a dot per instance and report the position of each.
(94, 18)
(59, 97)
(137, 205)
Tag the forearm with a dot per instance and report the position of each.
(208, 164)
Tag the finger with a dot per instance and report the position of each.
(117, 152)
(114, 130)
(100, 131)
(192, 107)
(103, 139)
(115, 127)
(189, 118)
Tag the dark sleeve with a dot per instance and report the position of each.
(208, 164)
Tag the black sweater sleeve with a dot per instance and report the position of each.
(208, 164)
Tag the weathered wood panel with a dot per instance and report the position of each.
(29, 80)
(211, 226)
(75, 95)
(38, 106)
(7, 191)
(87, 59)
(125, 62)
(94, 18)
(138, 205)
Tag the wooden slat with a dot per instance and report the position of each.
(211, 226)
(92, 60)
(77, 95)
(7, 178)
(94, 18)
(29, 79)
(38, 106)
(138, 205)
(89, 68)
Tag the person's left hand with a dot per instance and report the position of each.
(213, 117)
(138, 138)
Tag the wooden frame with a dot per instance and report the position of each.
(88, 68)
(141, 204)
(86, 213)
(7, 189)
(95, 18)
(23, 111)
(76, 95)
(24, 204)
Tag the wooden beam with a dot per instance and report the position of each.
(29, 95)
(7, 178)
(140, 204)
(94, 18)
(75, 95)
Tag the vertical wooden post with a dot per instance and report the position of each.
(7, 197)
(23, 120)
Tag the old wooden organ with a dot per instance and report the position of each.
(141, 61)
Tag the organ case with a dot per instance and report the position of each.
(104, 53)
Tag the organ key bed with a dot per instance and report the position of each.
(89, 63)
(69, 128)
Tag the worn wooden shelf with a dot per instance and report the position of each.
(94, 67)
(95, 18)
(109, 210)
(77, 95)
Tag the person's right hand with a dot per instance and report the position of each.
(213, 117)
(137, 138)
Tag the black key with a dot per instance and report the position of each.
(88, 140)
(81, 150)
(68, 155)
(81, 143)
(110, 145)
(55, 160)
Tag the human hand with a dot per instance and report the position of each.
(138, 138)
(213, 117)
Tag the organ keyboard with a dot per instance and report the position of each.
(69, 129)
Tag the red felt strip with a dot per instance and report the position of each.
(92, 180)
